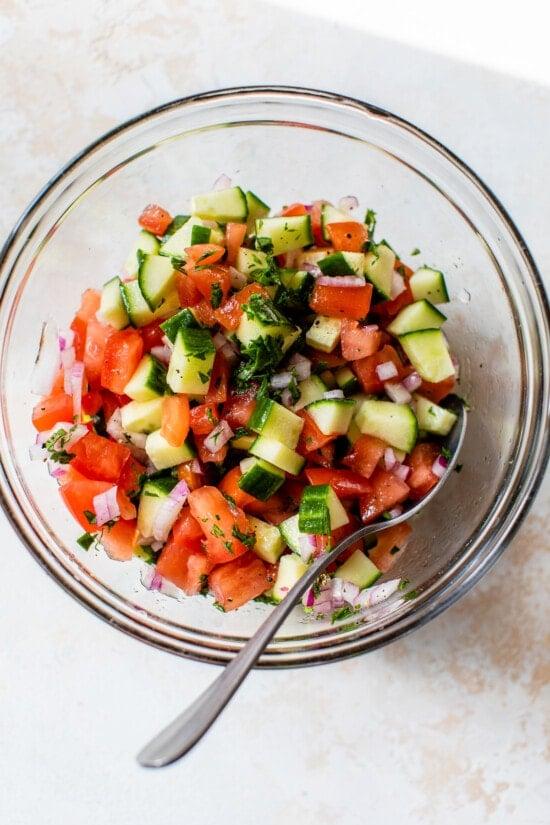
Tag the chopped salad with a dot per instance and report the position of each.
(246, 393)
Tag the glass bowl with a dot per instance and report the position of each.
(287, 144)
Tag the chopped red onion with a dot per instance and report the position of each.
(333, 394)
(134, 441)
(55, 469)
(66, 339)
(286, 398)
(167, 342)
(401, 471)
(389, 458)
(281, 380)
(336, 590)
(106, 506)
(229, 353)
(386, 371)
(350, 592)
(169, 510)
(397, 285)
(313, 269)
(307, 546)
(37, 453)
(397, 392)
(238, 279)
(222, 182)
(396, 511)
(195, 467)
(308, 599)
(378, 593)
(412, 382)
(456, 365)
(341, 280)
(347, 203)
(301, 366)
(180, 492)
(67, 361)
(162, 354)
(48, 361)
(151, 580)
(77, 380)
(156, 546)
(439, 466)
(219, 437)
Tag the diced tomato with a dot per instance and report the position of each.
(283, 504)
(388, 545)
(387, 491)
(92, 402)
(243, 295)
(121, 358)
(388, 309)
(341, 302)
(58, 383)
(151, 336)
(294, 209)
(97, 336)
(324, 457)
(317, 224)
(235, 234)
(328, 360)
(206, 456)
(229, 314)
(421, 478)
(203, 418)
(222, 524)
(365, 369)
(175, 419)
(209, 277)
(237, 583)
(239, 407)
(79, 498)
(186, 528)
(110, 403)
(119, 540)
(51, 409)
(219, 381)
(311, 437)
(205, 254)
(230, 487)
(345, 483)
(91, 300)
(185, 565)
(205, 314)
(403, 269)
(128, 487)
(192, 479)
(358, 341)
(188, 293)
(155, 219)
(437, 392)
(365, 455)
(348, 236)
(275, 503)
(99, 458)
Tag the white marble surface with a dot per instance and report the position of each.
(448, 725)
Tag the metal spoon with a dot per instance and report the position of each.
(187, 728)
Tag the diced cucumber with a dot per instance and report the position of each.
(269, 543)
(275, 421)
(428, 352)
(148, 381)
(182, 239)
(343, 263)
(329, 214)
(191, 362)
(156, 278)
(222, 205)
(243, 442)
(290, 533)
(332, 415)
(324, 333)
(261, 479)
(185, 318)
(327, 377)
(256, 207)
(177, 223)
(346, 380)
(311, 389)
(278, 454)
(164, 455)
(358, 570)
(291, 569)
(295, 289)
(137, 308)
(200, 234)
(147, 244)
(420, 315)
(252, 262)
(260, 319)
(432, 418)
(394, 423)
(152, 496)
(353, 432)
(320, 511)
(142, 416)
(112, 308)
(430, 284)
(379, 266)
(285, 233)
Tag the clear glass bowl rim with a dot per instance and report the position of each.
(424, 610)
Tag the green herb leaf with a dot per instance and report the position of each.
(248, 539)
(90, 517)
(342, 613)
(216, 295)
(85, 541)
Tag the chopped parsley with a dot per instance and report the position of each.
(446, 453)
(55, 445)
(370, 220)
(264, 245)
(263, 310)
(265, 598)
(217, 531)
(216, 295)
(263, 354)
(415, 251)
(85, 540)
(205, 377)
(403, 584)
(90, 517)
(248, 539)
(219, 606)
(342, 613)
(230, 500)
(458, 468)
(203, 584)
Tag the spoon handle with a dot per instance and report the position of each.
(187, 728)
